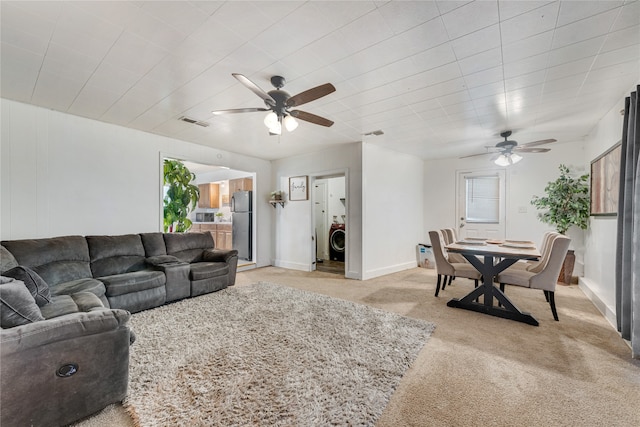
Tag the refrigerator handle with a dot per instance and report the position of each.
(233, 204)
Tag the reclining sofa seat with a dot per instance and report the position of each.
(119, 263)
(63, 262)
(210, 269)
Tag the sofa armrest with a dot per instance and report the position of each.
(70, 326)
(160, 260)
(219, 255)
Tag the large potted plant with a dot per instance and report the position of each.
(566, 204)
(181, 196)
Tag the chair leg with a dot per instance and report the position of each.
(552, 303)
(438, 285)
(546, 295)
(450, 279)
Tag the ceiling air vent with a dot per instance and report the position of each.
(194, 121)
(375, 133)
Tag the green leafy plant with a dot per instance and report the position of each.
(181, 196)
(566, 202)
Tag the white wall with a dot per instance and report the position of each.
(392, 220)
(63, 174)
(293, 228)
(600, 246)
(524, 180)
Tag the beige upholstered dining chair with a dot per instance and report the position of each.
(445, 269)
(545, 279)
(545, 250)
(449, 235)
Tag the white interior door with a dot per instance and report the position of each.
(321, 220)
(481, 204)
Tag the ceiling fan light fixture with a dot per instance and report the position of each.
(270, 119)
(515, 158)
(275, 129)
(290, 123)
(506, 159)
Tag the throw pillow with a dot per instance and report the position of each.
(17, 306)
(7, 260)
(37, 286)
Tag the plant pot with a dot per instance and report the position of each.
(566, 272)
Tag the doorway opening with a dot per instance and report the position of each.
(481, 204)
(330, 221)
(215, 215)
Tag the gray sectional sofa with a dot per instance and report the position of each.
(65, 306)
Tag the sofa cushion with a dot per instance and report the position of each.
(81, 285)
(188, 247)
(37, 286)
(115, 254)
(153, 244)
(162, 260)
(136, 281)
(17, 306)
(59, 306)
(7, 260)
(56, 259)
(207, 270)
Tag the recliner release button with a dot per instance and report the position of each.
(67, 370)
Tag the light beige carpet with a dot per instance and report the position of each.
(479, 370)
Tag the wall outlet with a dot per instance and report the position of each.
(522, 209)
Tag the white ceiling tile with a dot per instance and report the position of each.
(529, 24)
(134, 54)
(570, 68)
(525, 80)
(402, 16)
(93, 101)
(510, 8)
(20, 59)
(484, 77)
(629, 16)
(14, 17)
(470, 17)
(55, 91)
(478, 41)
(24, 40)
(445, 6)
(85, 43)
(531, 46)
(526, 66)
(429, 78)
(78, 21)
(113, 78)
(482, 61)
(125, 110)
(434, 57)
(17, 84)
(253, 23)
(584, 29)
(576, 51)
(377, 31)
(622, 38)
(182, 16)
(118, 13)
(571, 11)
(486, 90)
(573, 83)
(627, 72)
(614, 57)
(426, 36)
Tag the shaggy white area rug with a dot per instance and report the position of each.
(267, 355)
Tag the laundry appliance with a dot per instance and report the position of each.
(337, 240)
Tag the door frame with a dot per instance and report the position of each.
(338, 173)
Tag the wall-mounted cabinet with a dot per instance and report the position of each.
(209, 195)
(240, 184)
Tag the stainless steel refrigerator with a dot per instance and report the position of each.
(241, 227)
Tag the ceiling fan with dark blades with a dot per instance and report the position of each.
(506, 152)
(279, 103)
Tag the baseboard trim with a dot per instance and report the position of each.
(372, 274)
(608, 312)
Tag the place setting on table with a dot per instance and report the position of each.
(490, 257)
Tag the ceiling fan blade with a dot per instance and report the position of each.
(524, 149)
(475, 155)
(310, 95)
(536, 143)
(255, 89)
(238, 110)
(312, 118)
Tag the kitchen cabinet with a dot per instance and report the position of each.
(209, 195)
(221, 233)
(240, 184)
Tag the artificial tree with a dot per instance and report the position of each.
(566, 203)
(181, 197)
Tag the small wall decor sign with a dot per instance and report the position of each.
(299, 188)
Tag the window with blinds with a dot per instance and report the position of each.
(483, 199)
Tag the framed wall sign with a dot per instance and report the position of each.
(605, 182)
(299, 188)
